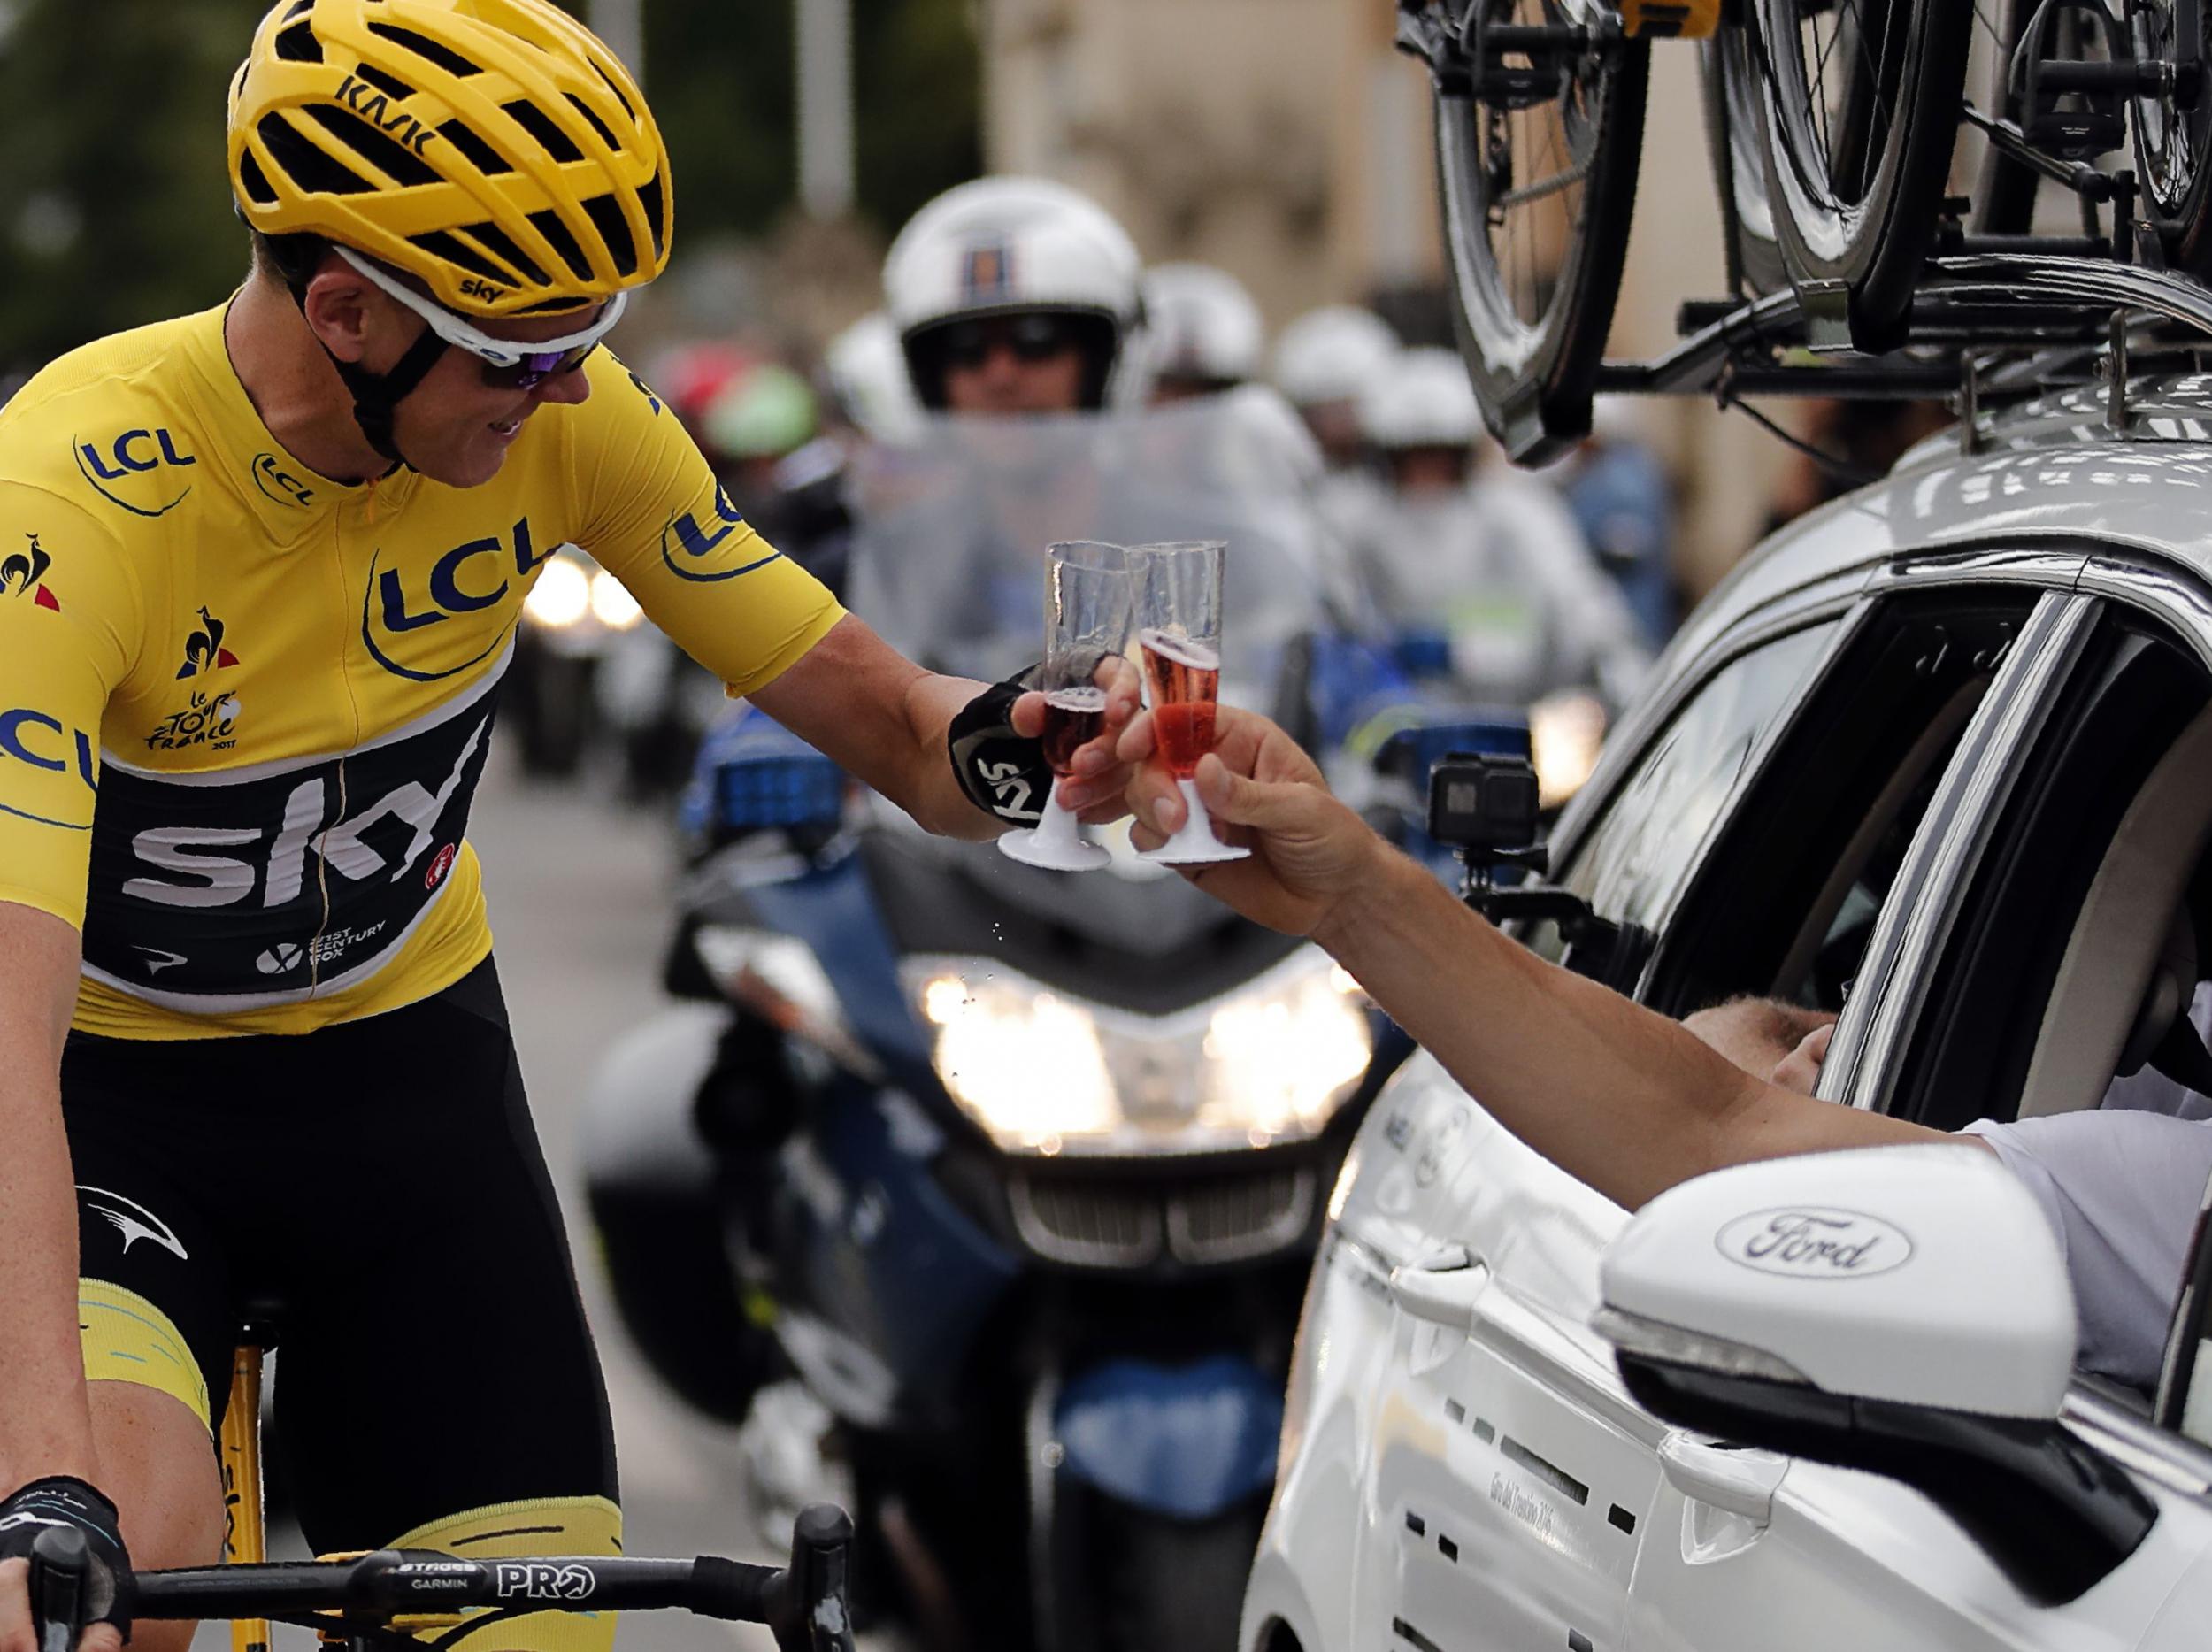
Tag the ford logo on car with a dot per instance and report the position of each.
(1813, 1243)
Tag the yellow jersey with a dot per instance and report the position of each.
(243, 708)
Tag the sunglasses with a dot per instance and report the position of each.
(1030, 338)
(509, 364)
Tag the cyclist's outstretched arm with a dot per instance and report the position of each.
(855, 698)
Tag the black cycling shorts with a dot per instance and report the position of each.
(374, 1194)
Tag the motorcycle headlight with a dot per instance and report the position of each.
(1044, 1072)
(612, 605)
(562, 595)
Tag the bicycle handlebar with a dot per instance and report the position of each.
(805, 1603)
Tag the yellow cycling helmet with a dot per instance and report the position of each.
(494, 149)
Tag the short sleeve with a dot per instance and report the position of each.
(656, 517)
(2122, 1191)
(68, 612)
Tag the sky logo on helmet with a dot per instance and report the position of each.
(124, 461)
(987, 273)
(24, 574)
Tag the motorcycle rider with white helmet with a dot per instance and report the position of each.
(1016, 295)
(1206, 331)
(1323, 362)
(1484, 578)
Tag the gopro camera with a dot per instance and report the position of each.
(1483, 804)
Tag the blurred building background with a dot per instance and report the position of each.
(1284, 139)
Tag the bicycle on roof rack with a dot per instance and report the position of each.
(394, 1599)
(1836, 128)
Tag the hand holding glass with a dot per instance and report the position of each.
(1086, 630)
(1179, 631)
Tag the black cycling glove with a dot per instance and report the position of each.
(1002, 774)
(59, 1500)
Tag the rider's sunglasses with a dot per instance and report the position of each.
(1030, 338)
(509, 363)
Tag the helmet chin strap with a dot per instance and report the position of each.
(377, 395)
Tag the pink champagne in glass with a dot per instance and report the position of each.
(1073, 717)
(1185, 678)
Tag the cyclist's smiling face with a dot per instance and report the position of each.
(456, 426)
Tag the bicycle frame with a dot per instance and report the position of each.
(245, 1528)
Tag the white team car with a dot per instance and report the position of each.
(1940, 756)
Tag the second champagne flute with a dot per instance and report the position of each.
(1178, 633)
(1086, 630)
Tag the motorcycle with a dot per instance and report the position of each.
(983, 1196)
(575, 615)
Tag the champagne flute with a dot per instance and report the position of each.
(1178, 633)
(1087, 635)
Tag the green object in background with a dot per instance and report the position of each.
(762, 413)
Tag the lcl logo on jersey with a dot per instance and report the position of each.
(30, 736)
(24, 574)
(138, 462)
(279, 484)
(688, 556)
(401, 607)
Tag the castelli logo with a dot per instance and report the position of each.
(440, 864)
(1815, 1242)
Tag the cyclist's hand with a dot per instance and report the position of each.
(1308, 850)
(43, 1505)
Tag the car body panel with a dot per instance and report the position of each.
(1478, 1259)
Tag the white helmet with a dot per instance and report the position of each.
(1004, 246)
(1327, 355)
(1421, 399)
(1202, 323)
(865, 371)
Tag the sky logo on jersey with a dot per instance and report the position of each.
(31, 737)
(400, 608)
(278, 484)
(688, 556)
(203, 649)
(24, 574)
(127, 462)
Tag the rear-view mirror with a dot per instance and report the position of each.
(1905, 1311)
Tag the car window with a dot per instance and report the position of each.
(1634, 863)
(1785, 901)
(2061, 922)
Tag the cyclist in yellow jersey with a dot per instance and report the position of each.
(259, 574)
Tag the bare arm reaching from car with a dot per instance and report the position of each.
(1620, 1097)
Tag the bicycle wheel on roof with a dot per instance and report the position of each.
(1536, 150)
(1859, 102)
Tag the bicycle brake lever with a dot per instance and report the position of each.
(61, 1568)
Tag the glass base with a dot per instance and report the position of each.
(1194, 844)
(1056, 842)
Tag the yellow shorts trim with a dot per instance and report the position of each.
(537, 1525)
(126, 1339)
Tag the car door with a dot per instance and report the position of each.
(1946, 1017)
(1507, 1475)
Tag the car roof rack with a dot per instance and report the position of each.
(1986, 326)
